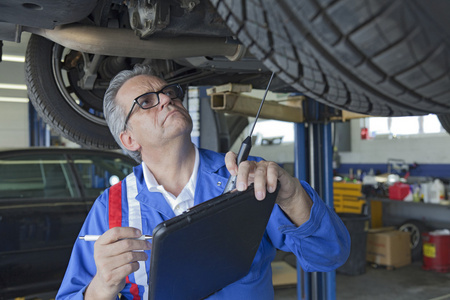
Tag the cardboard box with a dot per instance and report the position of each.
(388, 247)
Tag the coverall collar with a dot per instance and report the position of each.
(210, 164)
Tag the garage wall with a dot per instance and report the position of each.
(432, 149)
(426, 155)
(430, 154)
(14, 125)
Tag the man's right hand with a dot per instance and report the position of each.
(116, 255)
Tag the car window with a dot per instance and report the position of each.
(98, 172)
(35, 176)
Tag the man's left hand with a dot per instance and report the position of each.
(292, 198)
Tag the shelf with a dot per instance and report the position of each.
(387, 200)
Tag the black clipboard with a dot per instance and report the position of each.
(209, 246)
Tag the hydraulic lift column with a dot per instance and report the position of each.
(313, 163)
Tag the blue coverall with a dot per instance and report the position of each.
(321, 244)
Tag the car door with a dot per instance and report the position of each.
(41, 213)
(45, 195)
(97, 171)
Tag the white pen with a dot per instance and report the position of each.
(93, 238)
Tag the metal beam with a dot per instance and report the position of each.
(248, 106)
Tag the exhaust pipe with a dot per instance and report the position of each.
(123, 42)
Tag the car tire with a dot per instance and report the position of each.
(382, 58)
(74, 113)
(415, 228)
(445, 121)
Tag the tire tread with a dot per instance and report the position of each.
(376, 57)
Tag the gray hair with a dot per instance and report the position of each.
(114, 114)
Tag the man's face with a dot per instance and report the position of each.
(158, 125)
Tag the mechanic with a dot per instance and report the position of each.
(174, 175)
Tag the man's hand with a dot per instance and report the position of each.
(116, 255)
(292, 198)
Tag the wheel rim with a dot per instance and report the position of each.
(67, 89)
(415, 234)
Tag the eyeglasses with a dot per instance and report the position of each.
(151, 99)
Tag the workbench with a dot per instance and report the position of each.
(395, 212)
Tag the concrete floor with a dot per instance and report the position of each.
(406, 283)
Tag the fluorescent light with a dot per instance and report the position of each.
(14, 99)
(13, 58)
(11, 86)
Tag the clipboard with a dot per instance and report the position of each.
(208, 247)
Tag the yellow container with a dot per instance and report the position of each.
(347, 197)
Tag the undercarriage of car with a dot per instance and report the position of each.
(381, 58)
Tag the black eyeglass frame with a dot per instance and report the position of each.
(179, 95)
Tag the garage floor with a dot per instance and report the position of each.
(406, 283)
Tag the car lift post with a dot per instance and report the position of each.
(313, 163)
(313, 156)
(39, 134)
